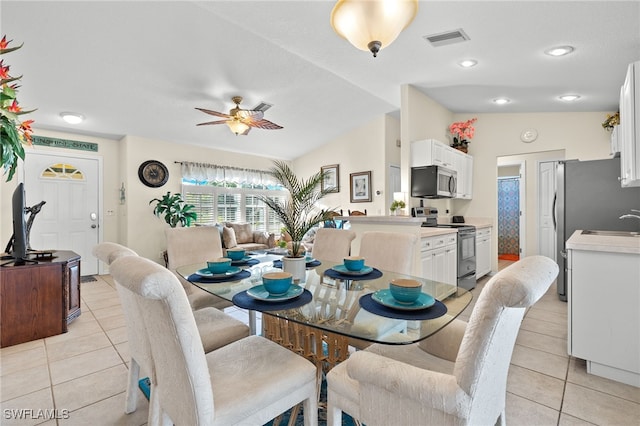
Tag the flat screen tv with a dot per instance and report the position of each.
(19, 250)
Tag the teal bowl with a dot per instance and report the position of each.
(354, 263)
(277, 283)
(235, 253)
(405, 290)
(219, 265)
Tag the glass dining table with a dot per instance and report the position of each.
(332, 309)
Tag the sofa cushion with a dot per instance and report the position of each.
(229, 237)
(243, 231)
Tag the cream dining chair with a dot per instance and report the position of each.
(458, 375)
(196, 244)
(215, 328)
(332, 244)
(249, 381)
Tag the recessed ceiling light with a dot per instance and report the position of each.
(569, 98)
(468, 63)
(501, 101)
(72, 117)
(559, 50)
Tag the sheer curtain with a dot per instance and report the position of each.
(207, 174)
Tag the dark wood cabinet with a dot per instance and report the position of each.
(40, 299)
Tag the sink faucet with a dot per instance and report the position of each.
(628, 216)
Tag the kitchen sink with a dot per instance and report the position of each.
(612, 233)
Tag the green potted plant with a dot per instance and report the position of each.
(297, 212)
(175, 210)
(13, 132)
(397, 205)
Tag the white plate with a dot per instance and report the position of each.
(207, 274)
(260, 293)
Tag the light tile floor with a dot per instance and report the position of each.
(80, 376)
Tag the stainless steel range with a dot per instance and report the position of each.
(466, 271)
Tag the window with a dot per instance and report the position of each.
(62, 171)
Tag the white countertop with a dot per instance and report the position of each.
(605, 243)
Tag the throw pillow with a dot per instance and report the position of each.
(243, 232)
(229, 237)
(261, 237)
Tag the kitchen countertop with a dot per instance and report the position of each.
(604, 243)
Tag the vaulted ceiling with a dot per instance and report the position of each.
(141, 67)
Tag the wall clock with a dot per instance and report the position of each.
(153, 173)
(529, 135)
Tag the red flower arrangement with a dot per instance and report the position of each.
(462, 131)
(13, 131)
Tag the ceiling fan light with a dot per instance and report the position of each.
(237, 126)
(372, 25)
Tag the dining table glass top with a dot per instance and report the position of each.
(334, 300)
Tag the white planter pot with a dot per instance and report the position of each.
(296, 266)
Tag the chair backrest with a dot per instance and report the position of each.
(196, 244)
(138, 341)
(357, 212)
(332, 244)
(181, 368)
(391, 251)
(485, 352)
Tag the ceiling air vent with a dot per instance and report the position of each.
(449, 37)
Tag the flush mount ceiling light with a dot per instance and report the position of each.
(72, 117)
(372, 25)
(559, 50)
(569, 98)
(501, 101)
(468, 63)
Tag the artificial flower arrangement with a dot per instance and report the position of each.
(462, 132)
(13, 132)
(611, 121)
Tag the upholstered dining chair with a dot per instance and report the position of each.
(357, 212)
(249, 381)
(186, 246)
(458, 375)
(215, 328)
(332, 244)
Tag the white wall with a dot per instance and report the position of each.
(360, 150)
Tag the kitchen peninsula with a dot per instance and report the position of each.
(604, 303)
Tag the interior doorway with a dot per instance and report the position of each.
(511, 198)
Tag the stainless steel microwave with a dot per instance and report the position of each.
(433, 182)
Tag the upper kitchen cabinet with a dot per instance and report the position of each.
(431, 152)
(629, 128)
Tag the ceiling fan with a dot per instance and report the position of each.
(239, 120)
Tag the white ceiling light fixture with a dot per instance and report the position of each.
(372, 25)
(569, 98)
(501, 101)
(468, 63)
(72, 117)
(559, 50)
(237, 126)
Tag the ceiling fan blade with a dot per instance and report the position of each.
(212, 122)
(262, 106)
(245, 114)
(264, 124)
(216, 113)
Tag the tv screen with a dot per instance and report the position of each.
(19, 250)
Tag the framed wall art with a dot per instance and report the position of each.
(331, 181)
(360, 187)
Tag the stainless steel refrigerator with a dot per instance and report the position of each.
(589, 196)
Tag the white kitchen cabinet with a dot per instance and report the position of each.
(431, 152)
(439, 257)
(604, 313)
(483, 252)
(629, 128)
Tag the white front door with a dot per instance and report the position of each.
(70, 218)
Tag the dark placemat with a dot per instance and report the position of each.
(370, 305)
(237, 277)
(278, 264)
(338, 276)
(243, 300)
(249, 262)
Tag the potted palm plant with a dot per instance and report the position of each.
(297, 212)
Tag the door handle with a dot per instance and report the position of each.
(94, 226)
(553, 211)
